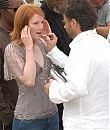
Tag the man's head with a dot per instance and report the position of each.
(79, 16)
(3, 5)
(97, 3)
(8, 9)
(54, 4)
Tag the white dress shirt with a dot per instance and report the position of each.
(86, 94)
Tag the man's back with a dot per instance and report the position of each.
(87, 111)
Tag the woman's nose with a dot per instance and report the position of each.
(41, 26)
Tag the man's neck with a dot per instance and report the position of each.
(6, 27)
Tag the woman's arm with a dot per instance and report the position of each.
(29, 73)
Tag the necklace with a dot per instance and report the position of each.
(5, 30)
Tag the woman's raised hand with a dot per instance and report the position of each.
(46, 28)
(26, 37)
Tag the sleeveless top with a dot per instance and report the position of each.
(33, 102)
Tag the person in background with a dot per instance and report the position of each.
(35, 2)
(85, 95)
(30, 66)
(103, 12)
(8, 89)
(55, 19)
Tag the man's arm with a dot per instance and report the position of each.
(0, 63)
(6, 112)
(103, 30)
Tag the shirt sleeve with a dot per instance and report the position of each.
(78, 72)
(57, 57)
(13, 62)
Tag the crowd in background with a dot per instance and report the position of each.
(54, 106)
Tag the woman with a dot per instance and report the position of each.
(26, 61)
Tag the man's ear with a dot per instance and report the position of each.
(73, 23)
(3, 12)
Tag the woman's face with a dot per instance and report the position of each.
(36, 26)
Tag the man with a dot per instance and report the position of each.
(55, 19)
(8, 89)
(85, 95)
(103, 12)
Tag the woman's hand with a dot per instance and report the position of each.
(46, 28)
(26, 37)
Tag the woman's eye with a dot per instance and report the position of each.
(36, 23)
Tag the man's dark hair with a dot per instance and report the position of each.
(82, 11)
(4, 4)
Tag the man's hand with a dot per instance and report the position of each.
(47, 86)
(46, 28)
(51, 40)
